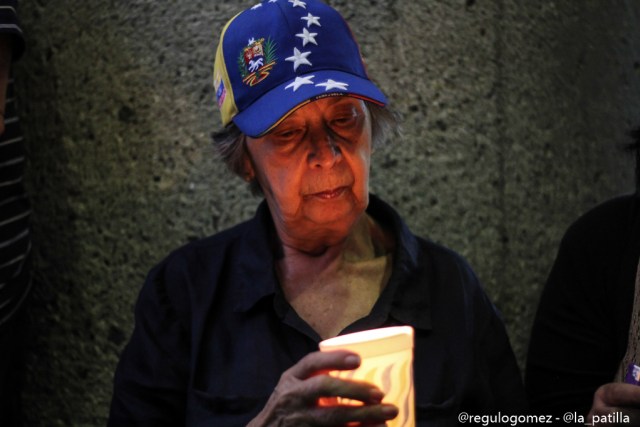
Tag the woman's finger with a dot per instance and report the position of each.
(331, 416)
(322, 362)
(325, 386)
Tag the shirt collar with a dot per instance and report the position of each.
(408, 305)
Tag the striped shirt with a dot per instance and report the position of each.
(15, 243)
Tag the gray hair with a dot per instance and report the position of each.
(231, 144)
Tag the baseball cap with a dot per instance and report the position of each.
(281, 54)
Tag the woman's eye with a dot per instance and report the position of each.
(346, 124)
(287, 135)
(344, 120)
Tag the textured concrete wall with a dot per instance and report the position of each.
(513, 116)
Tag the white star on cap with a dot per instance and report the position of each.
(256, 6)
(298, 3)
(332, 84)
(299, 81)
(307, 37)
(299, 58)
(311, 20)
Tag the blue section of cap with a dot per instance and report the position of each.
(330, 53)
(282, 100)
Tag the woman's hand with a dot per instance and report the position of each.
(616, 398)
(295, 400)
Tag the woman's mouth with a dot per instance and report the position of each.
(329, 194)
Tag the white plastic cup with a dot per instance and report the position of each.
(387, 362)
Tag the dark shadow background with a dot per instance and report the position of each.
(514, 113)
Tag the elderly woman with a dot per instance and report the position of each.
(227, 328)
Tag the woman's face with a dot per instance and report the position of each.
(314, 166)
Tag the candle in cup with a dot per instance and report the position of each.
(387, 362)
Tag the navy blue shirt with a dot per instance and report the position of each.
(214, 332)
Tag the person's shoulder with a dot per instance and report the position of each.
(607, 222)
(443, 268)
(192, 272)
(620, 207)
(424, 251)
(448, 274)
(208, 249)
(442, 256)
(453, 286)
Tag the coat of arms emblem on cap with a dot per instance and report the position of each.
(256, 61)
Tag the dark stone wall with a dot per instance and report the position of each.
(513, 116)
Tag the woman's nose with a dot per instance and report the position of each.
(325, 152)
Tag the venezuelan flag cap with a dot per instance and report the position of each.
(281, 54)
